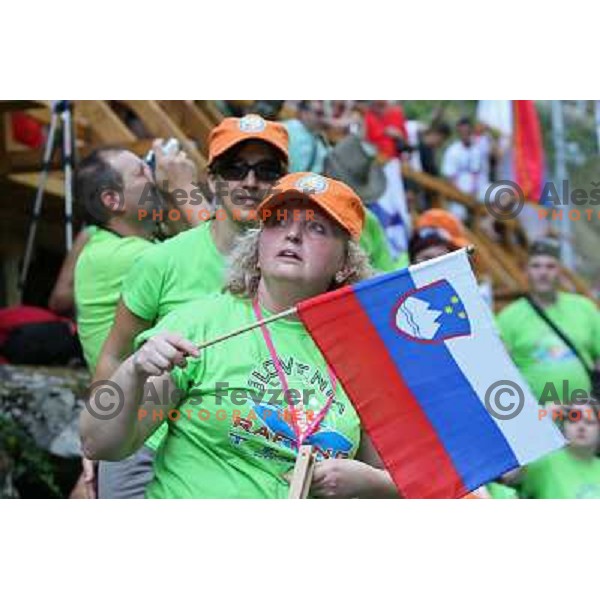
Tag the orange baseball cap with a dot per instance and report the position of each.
(336, 198)
(436, 218)
(232, 131)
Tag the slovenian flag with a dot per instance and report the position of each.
(418, 354)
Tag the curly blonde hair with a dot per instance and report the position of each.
(244, 273)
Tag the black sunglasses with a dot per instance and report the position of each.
(264, 170)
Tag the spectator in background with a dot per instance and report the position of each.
(491, 143)
(466, 164)
(424, 146)
(307, 147)
(385, 128)
(109, 183)
(574, 471)
(349, 162)
(341, 117)
(437, 232)
(530, 329)
(174, 169)
(103, 186)
(429, 143)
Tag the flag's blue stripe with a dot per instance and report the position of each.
(471, 438)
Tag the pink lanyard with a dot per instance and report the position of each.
(300, 424)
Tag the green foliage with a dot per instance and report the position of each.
(452, 110)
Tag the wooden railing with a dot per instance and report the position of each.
(502, 260)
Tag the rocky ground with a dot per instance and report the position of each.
(39, 441)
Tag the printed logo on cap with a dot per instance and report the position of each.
(312, 184)
(252, 124)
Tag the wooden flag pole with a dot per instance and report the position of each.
(303, 474)
(226, 336)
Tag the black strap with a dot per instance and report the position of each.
(106, 228)
(559, 333)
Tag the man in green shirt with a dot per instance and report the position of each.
(246, 157)
(553, 370)
(111, 184)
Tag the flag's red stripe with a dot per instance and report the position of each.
(420, 466)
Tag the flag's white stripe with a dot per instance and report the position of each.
(484, 360)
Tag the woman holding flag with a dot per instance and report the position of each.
(238, 410)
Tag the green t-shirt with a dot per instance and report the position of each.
(239, 447)
(541, 356)
(181, 269)
(561, 475)
(103, 263)
(499, 491)
(184, 268)
(402, 261)
(375, 244)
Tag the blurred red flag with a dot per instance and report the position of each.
(528, 151)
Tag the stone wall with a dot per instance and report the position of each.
(41, 405)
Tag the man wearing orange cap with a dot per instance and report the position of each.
(246, 157)
(242, 444)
